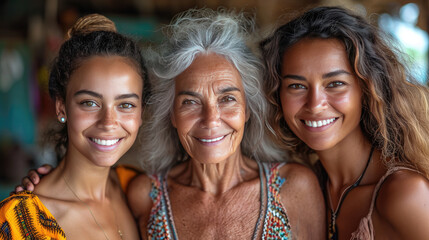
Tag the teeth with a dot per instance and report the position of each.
(211, 140)
(105, 142)
(319, 123)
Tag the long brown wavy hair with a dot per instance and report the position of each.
(394, 106)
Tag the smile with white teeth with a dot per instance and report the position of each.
(104, 142)
(210, 140)
(319, 123)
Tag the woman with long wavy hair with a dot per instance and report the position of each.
(339, 90)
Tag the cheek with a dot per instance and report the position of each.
(349, 104)
(185, 120)
(80, 120)
(132, 122)
(235, 117)
(290, 106)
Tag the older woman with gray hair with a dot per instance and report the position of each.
(212, 173)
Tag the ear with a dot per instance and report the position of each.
(60, 109)
(247, 114)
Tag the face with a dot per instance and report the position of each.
(103, 109)
(210, 109)
(320, 94)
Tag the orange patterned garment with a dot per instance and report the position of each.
(23, 216)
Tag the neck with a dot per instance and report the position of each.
(86, 180)
(344, 163)
(218, 178)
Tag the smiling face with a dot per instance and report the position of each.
(103, 109)
(210, 109)
(320, 94)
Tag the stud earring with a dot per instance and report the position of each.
(62, 119)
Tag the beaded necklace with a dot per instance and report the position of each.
(333, 230)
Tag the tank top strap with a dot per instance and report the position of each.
(380, 183)
(366, 228)
(158, 226)
(276, 224)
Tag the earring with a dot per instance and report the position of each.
(62, 119)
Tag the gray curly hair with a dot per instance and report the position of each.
(194, 32)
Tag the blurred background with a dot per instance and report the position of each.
(31, 32)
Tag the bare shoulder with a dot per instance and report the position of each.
(403, 201)
(301, 184)
(138, 195)
(299, 177)
(402, 188)
(302, 197)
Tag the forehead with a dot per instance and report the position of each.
(320, 54)
(103, 73)
(209, 70)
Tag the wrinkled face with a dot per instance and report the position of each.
(320, 94)
(103, 109)
(210, 109)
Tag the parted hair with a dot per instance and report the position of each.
(195, 32)
(394, 106)
(92, 35)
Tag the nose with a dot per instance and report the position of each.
(211, 116)
(316, 100)
(108, 119)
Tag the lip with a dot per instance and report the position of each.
(105, 144)
(211, 140)
(319, 124)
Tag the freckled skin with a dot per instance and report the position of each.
(210, 103)
(104, 118)
(103, 101)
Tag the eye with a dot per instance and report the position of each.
(189, 102)
(296, 86)
(228, 99)
(335, 84)
(89, 104)
(126, 105)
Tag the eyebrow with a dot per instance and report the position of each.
(129, 95)
(97, 95)
(335, 73)
(296, 77)
(229, 89)
(87, 92)
(326, 75)
(223, 90)
(190, 93)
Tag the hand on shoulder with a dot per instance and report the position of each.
(403, 202)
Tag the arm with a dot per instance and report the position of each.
(403, 206)
(303, 199)
(140, 202)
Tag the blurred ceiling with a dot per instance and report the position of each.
(16, 15)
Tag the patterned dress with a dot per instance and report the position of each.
(275, 220)
(23, 216)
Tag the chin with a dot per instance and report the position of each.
(319, 147)
(105, 162)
